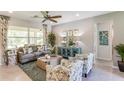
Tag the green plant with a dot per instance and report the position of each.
(51, 39)
(53, 50)
(120, 50)
(71, 42)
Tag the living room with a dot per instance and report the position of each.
(61, 46)
(37, 46)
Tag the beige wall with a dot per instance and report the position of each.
(85, 26)
(23, 23)
(88, 27)
(118, 28)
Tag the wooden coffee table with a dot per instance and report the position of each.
(42, 61)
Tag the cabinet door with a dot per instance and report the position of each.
(69, 52)
(64, 52)
(76, 51)
(59, 50)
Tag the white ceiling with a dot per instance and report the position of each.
(67, 16)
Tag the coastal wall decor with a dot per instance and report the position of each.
(103, 37)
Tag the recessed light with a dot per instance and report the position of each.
(10, 11)
(51, 22)
(77, 14)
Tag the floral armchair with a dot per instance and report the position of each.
(66, 71)
(58, 73)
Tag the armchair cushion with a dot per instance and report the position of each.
(70, 71)
(66, 63)
(76, 71)
(58, 73)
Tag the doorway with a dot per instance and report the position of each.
(103, 37)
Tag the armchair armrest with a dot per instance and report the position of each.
(65, 63)
(20, 52)
(19, 55)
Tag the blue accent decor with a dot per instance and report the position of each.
(69, 51)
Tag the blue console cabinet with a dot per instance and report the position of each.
(69, 51)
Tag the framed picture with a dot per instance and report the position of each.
(70, 32)
(76, 32)
(103, 38)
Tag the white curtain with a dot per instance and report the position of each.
(45, 33)
(3, 38)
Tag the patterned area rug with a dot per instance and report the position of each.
(35, 73)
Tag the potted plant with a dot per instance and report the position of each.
(71, 42)
(52, 41)
(120, 50)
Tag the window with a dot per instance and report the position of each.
(18, 36)
(35, 36)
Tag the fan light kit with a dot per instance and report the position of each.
(77, 14)
(10, 11)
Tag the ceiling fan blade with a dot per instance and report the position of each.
(44, 13)
(55, 16)
(44, 20)
(47, 12)
(52, 20)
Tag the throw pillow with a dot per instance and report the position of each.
(30, 50)
(25, 50)
(34, 48)
(40, 49)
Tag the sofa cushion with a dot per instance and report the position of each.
(38, 53)
(25, 50)
(40, 49)
(27, 60)
(28, 56)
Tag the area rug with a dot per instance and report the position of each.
(35, 73)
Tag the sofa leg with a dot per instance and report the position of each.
(85, 75)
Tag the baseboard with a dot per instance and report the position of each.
(106, 59)
(115, 67)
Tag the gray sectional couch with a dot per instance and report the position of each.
(28, 57)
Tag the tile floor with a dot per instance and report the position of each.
(12, 73)
(102, 71)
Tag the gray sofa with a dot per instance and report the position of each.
(28, 57)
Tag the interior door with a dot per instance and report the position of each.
(104, 36)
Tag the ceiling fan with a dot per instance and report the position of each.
(45, 15)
